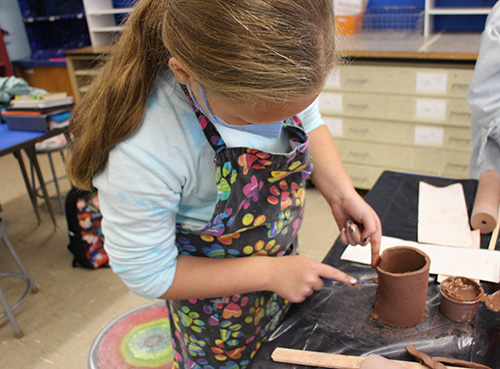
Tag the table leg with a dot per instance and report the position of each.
(27, 182)
(30, 151)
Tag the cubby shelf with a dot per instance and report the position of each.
(432, 10)
(104, 20)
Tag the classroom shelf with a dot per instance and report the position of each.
(105, 19)
(432, 9)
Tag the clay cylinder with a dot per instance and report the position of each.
(485, 210)
(460, 298)
(403, 277)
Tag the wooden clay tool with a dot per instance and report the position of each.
(336, 361)
(486, 203)
(494, 235)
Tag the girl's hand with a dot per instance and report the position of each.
(297, 277)
(359, 224)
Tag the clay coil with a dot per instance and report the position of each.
(486, 203)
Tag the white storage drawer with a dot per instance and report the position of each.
(355, 152)
(433, 160)
(397, 108)
(400, 133)
(449, 82)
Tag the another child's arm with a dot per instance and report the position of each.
(332, 180)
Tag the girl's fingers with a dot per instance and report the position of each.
(350, 234)
(343, 236)
(353, 233)
(335, 274)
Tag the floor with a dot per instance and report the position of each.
(74, 304)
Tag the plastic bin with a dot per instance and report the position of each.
(39, 8)
(394, 18)
(49, 39)
(123, 3)
(53, 26)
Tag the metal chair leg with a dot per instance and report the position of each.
(55, 179)
(8, 311)
(30, 284)
(18, 262)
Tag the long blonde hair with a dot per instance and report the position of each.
(275, 50)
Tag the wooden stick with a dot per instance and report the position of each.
(494, 234)
(334, 361)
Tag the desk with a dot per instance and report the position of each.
(336, 319)
(13, 142)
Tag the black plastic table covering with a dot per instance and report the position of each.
(337, 318)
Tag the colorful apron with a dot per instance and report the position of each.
(259, 211)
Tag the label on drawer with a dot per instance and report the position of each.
(329, 101)
(430, 109)
(334, 125)
(333, 79)
(424, 135)
(431, 82)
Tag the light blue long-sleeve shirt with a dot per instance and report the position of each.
(484, 100)
(162, 175)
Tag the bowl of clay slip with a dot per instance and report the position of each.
(460, 299)
(403, 279)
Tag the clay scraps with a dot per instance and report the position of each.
(438, 362)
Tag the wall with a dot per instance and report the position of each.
(12, 21)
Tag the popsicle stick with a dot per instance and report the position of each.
(334, 361)
(494, 234)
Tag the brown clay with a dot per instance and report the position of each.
(460, 298)
(424, 358)
(438, 362)
(493, 302)
(462, 289)
(403, 275)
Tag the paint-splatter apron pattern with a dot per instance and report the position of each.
(259, 211)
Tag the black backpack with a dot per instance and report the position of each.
(86, 241)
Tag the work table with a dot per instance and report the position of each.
(337, 318)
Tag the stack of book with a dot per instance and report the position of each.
(41, 112)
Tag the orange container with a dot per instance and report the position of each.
(349, 24)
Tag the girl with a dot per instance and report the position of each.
(194, 134)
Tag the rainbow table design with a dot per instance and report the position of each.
(139, 338)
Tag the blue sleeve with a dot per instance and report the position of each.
(138, 222)
(311, 117)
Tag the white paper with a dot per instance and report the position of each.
(424, 135)
(335, 125)
(480, 264)
(431, 109)
(442, 215)
(431, 82)
(329, 101)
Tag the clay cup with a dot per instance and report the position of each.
(403, 278)
(460, 298)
